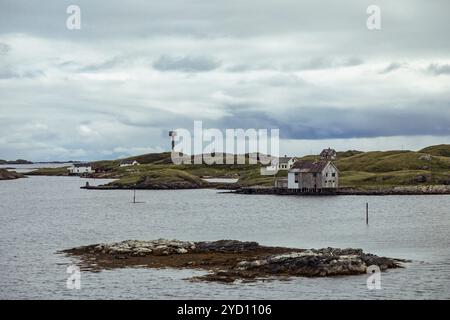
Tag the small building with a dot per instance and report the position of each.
(269, 170)
(313, 176)
(285, 163)
(328, 154)
(129, 163)
(80, 169)
(281, 163)
(281, 183)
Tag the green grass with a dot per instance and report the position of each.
(162, 177)
(439, 150)
(375, 169)
(390, 179)
(61, 171)
(392, 161)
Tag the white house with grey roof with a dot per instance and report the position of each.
(80, 168)
(281, 163)
(129, 163)
(285, 163)
(314, 175)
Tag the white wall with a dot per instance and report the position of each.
(330, 181)
(291, 181)
(80, 170)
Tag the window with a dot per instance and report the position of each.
(326, 174)
(334, 174)
(296, 177)
(314, 174)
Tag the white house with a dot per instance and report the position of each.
(129, 163)
(285, 163)
(80, 168)
(313, 176)
(282, 163)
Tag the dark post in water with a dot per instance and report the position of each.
(367, 213)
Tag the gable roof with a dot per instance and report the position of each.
(128, 161)
(284, 159)
(328, 153)
(80, 165)
(315, 166)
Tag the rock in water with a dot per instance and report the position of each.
(229, 260)
(10, 175)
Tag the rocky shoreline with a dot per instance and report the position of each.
(345, 191)
(229, 260)
(10, 175)
(170, 185)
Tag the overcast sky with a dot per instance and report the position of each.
(137, 69)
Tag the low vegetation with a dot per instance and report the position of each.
(61, 171)
(377, 169)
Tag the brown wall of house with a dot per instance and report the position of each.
(307, 180)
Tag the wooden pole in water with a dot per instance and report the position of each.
(134, 196)
(367, 213)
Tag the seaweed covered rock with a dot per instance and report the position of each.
(230, 260)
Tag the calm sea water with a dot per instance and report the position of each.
(41, 215)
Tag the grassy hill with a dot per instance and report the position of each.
(393, 168)
(439, 150)
(376, 169)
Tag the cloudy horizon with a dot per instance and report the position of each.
(134, 71)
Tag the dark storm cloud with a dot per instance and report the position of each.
(332, 123)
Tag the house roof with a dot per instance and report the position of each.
(284, 159)
(128, 161)
(326, 153)
(79, 165)
(304, 166)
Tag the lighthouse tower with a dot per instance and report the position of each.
(173, 134)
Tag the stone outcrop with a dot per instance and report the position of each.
(230, 260)
(426, 157)
(160, 247)
(316, 263)
(9, 175)
(226, 246)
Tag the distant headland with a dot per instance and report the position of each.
(358, 171)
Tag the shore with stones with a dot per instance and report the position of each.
(10, 175)
(348, 191)
(229, 260)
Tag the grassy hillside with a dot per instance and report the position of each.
(161, 179)
(439, 150)
(375, 169)
(393, 168)
(393, 161)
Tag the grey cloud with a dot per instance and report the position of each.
(329, 63)
(8, 73)
(185, 63)
(317, 63)
(279, 38)
(392, 67)
(4, 48)
(105, 65)
(331, 123)
(439, 69)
